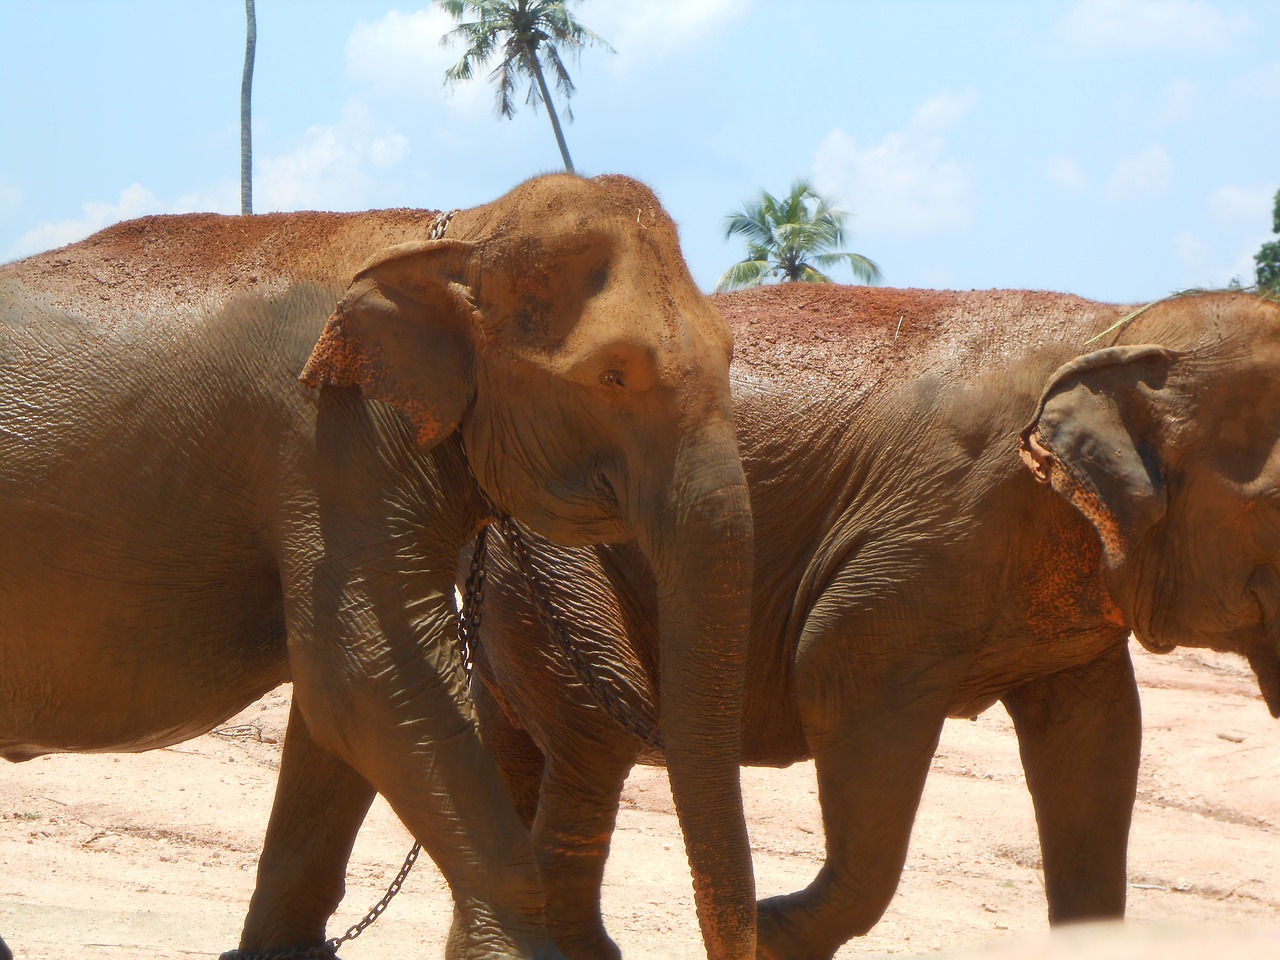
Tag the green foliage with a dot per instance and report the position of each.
(1268, 258)
(1268, 272)
(526, 36)
(791, 239)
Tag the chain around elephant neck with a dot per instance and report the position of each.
(440, 225)
(632, 721)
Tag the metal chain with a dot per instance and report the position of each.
(440, 225)
(472, 605)
(641, 727)
(468, 638)
(329, 949)
(377, 909)
(314, 951)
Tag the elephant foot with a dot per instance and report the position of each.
(786, 928)
(475, 936)
(302, 951)
(595, 945)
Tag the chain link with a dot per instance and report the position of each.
(329, 949)
(472, 605)
(440, 225)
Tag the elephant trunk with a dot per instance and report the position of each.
(700, 545)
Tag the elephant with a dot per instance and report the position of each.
(959, 498)
(219, 471)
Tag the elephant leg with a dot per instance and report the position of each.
(519, 759)
(872, 719)
(571, 835)
(1080, 736)
(446, 788)
(319, 806)
(570, 803)
(5, 952)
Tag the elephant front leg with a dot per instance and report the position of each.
(872, 741)
(577, 813)
(399, 715)
(569, 797)
(319, 806)
(1080, 736)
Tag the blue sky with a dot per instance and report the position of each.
(1119, 149)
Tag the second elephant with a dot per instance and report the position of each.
(959, 498)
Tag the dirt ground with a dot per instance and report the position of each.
(153, 855)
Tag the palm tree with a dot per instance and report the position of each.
(1268, 258)
(789, 239)
(246, 96)
(530, 33)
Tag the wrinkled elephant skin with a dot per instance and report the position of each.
(958, 498)
(218, 471)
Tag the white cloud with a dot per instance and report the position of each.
(1216, 265)
(904, 185)
(1243, 205)
(1066, 173)
(331, 169)
(654, 29)
(1148, 172)
(135, 201)
(943, 110)
(1099, 27)
(401, 55)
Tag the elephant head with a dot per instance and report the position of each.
(1171, 449)
(558, 330)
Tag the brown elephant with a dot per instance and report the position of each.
(185, 525)
(909, 567)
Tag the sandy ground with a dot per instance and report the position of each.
(153, 855)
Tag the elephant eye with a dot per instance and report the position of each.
(613, 378)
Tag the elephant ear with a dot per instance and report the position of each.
(1094, 439)
(403, 333)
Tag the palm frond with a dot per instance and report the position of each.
(797, 234)
(744, 273)
(864, 269)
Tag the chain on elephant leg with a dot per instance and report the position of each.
(304, 951)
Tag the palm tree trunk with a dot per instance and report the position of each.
(246, 96)
(551, 110)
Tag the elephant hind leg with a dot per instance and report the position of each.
(319, 806)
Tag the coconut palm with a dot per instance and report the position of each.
(531, 33)
(246, 96)
(792, 239)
